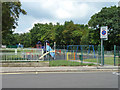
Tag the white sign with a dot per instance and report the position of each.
(104, 32)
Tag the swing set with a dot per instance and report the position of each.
(84, 52)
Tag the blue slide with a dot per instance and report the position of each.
(48, 48)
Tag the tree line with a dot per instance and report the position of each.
(67, 34)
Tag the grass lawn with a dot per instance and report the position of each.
(107, 60)
(67, 63)
(25, 61)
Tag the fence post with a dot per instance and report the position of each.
(99, 54)
(103, 55)
(118, 55)
(49, 54)
(81, 55)
(54, 49)
(114, 55)
(64, 51)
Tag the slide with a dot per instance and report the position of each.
(49, 50)
(45, 54)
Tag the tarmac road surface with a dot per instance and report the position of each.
(60, 80)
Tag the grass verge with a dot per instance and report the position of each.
(68, 63)
(107, 60)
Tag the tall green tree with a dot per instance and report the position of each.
(71, 33)
(10, 16)
(85, 36)
(106, 17)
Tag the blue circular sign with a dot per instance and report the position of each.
(103, 32)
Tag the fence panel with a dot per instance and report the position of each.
(26, 54)
(109, 57)
(76, 54)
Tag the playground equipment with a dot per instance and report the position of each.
(38, 45)
(32, 53)
(48, 50)
(71, 55)
(46, 54)
(76, 52)
(19, 45)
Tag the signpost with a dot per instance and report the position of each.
(103, 36)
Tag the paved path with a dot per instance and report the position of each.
(60, 80)
(58, 69)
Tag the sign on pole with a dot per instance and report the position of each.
(104, 32)
(103, 36)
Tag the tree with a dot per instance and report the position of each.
(66, 34)
(85, 36)
(71, 33)
(106, 17)
(10, 15)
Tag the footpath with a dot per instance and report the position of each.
(60, 69)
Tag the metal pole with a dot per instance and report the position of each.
(46, 50)
(114, 54)
(54, 48)
(81, 55)
(97, 58)
(101, 51)
(103, 54)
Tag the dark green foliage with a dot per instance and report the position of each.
(106, 17)
(66, 34)
(10, 15)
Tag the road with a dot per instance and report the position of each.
(60, 80)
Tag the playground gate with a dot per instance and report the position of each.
(109, 57)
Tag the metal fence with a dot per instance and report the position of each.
(109, 57)
(74, 53)
(20, 54)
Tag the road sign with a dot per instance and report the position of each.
(103, 36)
(104, 32)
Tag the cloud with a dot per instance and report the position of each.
(26, 23)
(72, 0)
(58, 9)
(46, 11)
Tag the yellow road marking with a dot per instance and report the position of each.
(44, 72)
(9, 73)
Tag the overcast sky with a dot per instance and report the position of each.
(46, 11)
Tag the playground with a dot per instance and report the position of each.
(61, 55)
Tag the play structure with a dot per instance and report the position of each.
(59, 52)
(47, 50)
(40, 52)
(38, 45)
(76, 52)
(71, 52)
(19, 45)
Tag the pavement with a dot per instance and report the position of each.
(60, 69)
